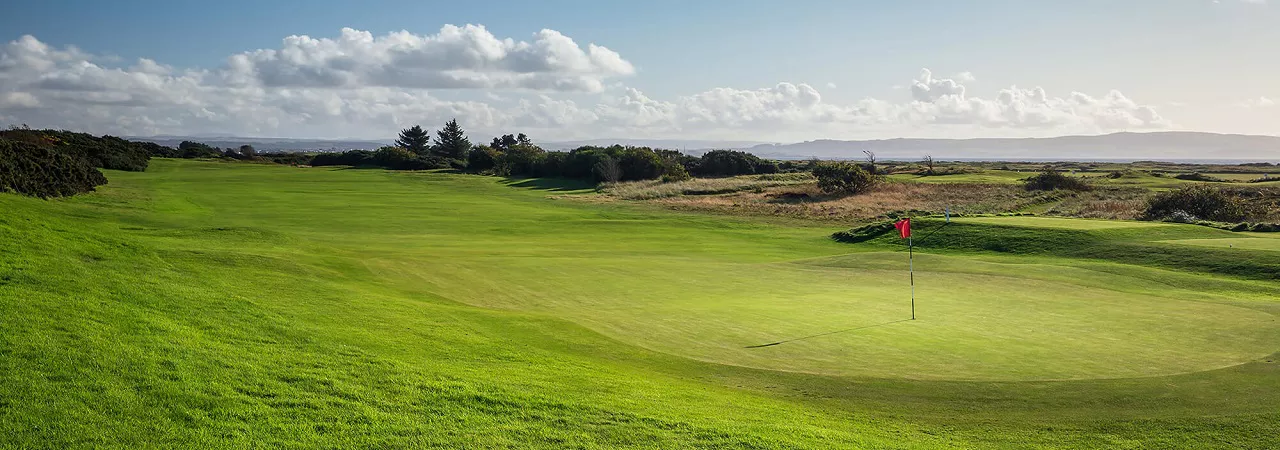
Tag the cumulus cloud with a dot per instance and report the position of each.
(457, 57)
(359, 85)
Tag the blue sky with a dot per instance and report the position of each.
(768, 71)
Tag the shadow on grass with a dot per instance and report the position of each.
(549, 184)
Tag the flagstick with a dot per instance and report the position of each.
(911, 268)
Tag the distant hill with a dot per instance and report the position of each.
(691, 145)
(269, 144)
(1174, 145)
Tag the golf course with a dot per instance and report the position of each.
(214, 303)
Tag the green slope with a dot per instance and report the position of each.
(214, 304)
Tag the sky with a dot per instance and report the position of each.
(563, 70)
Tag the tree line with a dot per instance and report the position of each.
(48, 163)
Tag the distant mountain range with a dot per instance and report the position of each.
(690, 145)
(1165, 146)
(268, 144)
(1168, 146)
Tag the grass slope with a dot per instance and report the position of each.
(214, 304)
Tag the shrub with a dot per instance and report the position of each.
(1196, 201)
(190, 149)
(843, 178)
(1050, 179)
(31, 169)
(107, 152)
(675, 172)
(863, 233)
(727, 163)
(482, 158)
(396, 158)
(1197, 176)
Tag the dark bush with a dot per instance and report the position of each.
(1050, 179)
(192, 150)
(728, 163)
(288, 158)
(521, 160)
(1197, 176)
(34, 170)
(107, 152)
(1196, 201)
(863, 233)
(396, 158)
(354, 158)
(482, 158)
(843, 178)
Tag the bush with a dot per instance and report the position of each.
(843, 178)
(1050, 179)
(1196, 201)
(107, 152)
(728, 163)
(31, 169)
(863, 233)
(1197, 176)
(482, 158)
(396, 158)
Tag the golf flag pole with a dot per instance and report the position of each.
(911, 270)
(904, 230)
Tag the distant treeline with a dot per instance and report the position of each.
(50, 163)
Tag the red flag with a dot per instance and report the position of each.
(904, 227)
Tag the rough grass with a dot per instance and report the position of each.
(206, 304)
(807, 202)
(652, 189)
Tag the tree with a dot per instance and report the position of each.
(451, 142)
(928, 163)
(248, 152)
(871, 161)
(504, 143)
(415, 140)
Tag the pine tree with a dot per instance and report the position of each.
(451, 141)
(415, 140)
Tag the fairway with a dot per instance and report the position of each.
(1251, 243)
(235, 294)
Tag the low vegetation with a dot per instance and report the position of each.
(654, 189)
(1196, 202)
(843, 178)
(39, 171)
(1050, 179)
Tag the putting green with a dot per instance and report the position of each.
(974, 324)
(1059, 222)
(1249, 243)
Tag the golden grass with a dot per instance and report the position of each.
(653, 189)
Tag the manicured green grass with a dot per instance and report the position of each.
(1059, 222)
(1251, 243)
(221, 304)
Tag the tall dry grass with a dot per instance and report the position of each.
(655, 189)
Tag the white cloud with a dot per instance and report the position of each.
(966, 77)
(456, 57)
(358, 85)
(1260, 102)
(831, 85)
